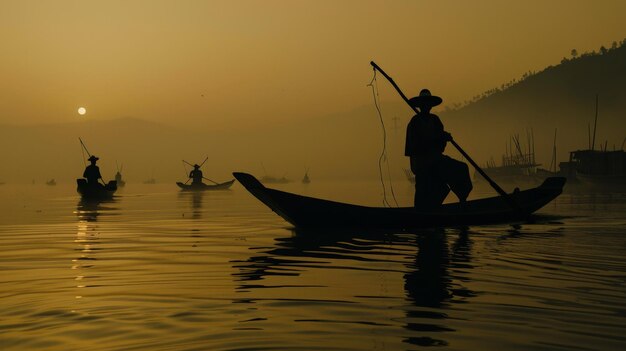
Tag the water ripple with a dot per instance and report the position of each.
(170, 271)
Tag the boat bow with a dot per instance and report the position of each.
(309, 212)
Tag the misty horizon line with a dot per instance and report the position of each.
(448, 107)
(444, 108)
(162, 122)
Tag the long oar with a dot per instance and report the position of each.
(186, 174)
(83, 145)
(210, 180)
(202, 164)
(493, 184)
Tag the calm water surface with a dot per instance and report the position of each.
(156, 269)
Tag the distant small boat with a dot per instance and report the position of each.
(95, 192)
(306, 179)
(51, 182)
(203, 187)
(308, 212)
(118, 179)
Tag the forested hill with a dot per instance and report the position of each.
(561, 97)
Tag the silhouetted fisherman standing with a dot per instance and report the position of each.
(92, 172)
(196, 175)
(435, 173)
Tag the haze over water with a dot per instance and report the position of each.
(156, 269)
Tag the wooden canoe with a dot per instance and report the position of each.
(95, 192)
(309, 212)
(203, 187)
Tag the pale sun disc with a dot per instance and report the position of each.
(82, 111)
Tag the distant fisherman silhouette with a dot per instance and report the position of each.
(435, 173)
(92, 172)
(196, 175)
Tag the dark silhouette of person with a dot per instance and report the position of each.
(92, 172)
(196, 175)
(435, 173)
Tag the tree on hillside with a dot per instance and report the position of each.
(574, 56)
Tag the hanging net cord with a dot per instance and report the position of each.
(383, 154)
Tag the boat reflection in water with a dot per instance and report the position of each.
(431, 272)
(430, 284)
(87, 240)
(194, 198)
(88, 210)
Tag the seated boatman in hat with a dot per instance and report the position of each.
(435, 173)
(92, 172)
(196, 175)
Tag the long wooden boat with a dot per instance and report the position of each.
(96, 192)
(308, 212)
(203, 187)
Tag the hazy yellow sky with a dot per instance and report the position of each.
(224, 63)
